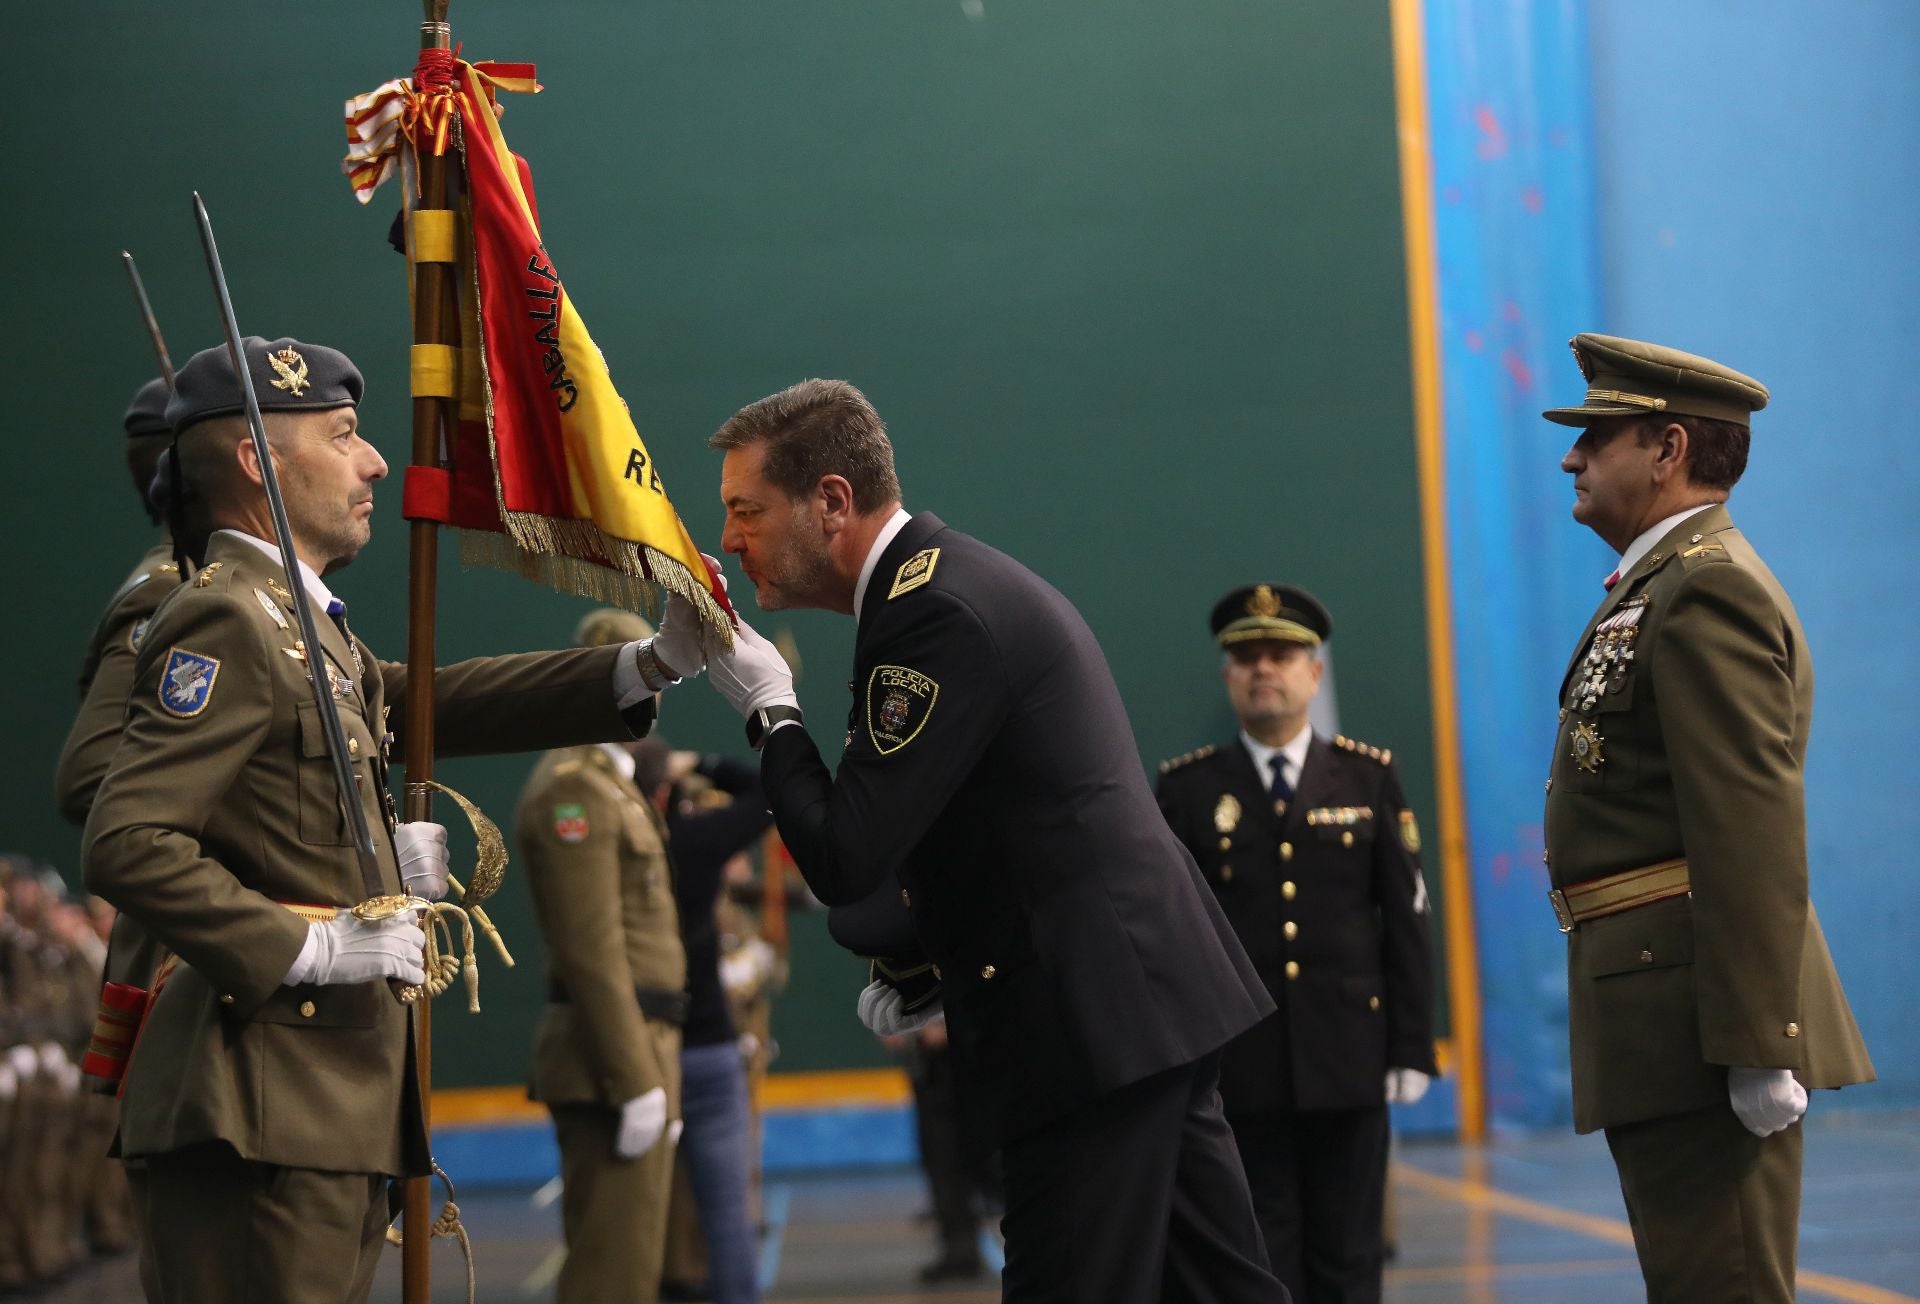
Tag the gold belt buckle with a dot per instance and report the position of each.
(1561, 910)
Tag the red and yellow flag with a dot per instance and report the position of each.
(547, 471)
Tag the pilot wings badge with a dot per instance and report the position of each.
(186, 682)
(292, 370)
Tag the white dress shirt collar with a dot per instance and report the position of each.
(896, 523)
(1643, 545)
(1294, 750)
(321, 595)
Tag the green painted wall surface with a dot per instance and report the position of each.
(1124, 278)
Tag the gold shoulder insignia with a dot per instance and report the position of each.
(205, 577)
(167, 568)
(1383, 755)
(1187, 758)
(292, 371)
(916, 572)
(279, 590)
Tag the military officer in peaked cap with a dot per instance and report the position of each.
(1702, 1000)
(272, 1091)
(1315, 856)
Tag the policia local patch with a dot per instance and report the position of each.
(899, 701)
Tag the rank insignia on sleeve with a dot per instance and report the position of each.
(1226, 815)
(138, 634)
(1409, 832)
(186, 683)
(899, 701)
(570, 822)
(917, 572)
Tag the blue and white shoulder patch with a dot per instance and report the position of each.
(186, 683)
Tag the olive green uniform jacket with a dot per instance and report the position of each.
(220, 804)
(1694, 684)
(603, 889)
(106, 679)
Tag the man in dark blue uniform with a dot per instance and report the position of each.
(1314, 855)
(1088, 977)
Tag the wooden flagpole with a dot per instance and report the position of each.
(435, 322)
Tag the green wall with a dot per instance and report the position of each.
(1124, 278)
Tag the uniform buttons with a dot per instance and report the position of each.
(1793, 1030)
(227, 999)
(1287, 889)
(1563, 713)
(987, 971)
(1546, 858)
(1646, 957)
(905, 899)
(1373, 1002)
(1346, 839)
(1286, 851)
(353, 746)
(1549, 785)
(306, 1009)
(1226, 873)
(1225, 842)
(1290, 930)
(1293, 970)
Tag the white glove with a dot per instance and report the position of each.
(1406, 1086)
(23, 1060)
(754, 674)
(1765, 1100)
(642, 1121)
(349, 950)
(674, 1129)
(880, 1010)
(679, 643)
(421, 847)
(53, 1057)
(747, 966)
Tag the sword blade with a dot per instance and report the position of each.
(147, 318)
(343, 776)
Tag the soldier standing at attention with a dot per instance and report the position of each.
(1315, 856)
(1702, 1001)
(272, 1092)
(606, 1053)
(1088, 977)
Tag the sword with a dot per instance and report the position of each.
(146, 315)
(378, 904)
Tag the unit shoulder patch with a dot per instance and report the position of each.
(1187, 758)
(916, 572)
(137, 633)
(570, 821)
(1409, 832)
(186, 682)
(1384, 755)
(899, 702)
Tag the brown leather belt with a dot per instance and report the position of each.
(655, 1002)
(1599, 897)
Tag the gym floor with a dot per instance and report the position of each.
(1534, 1219)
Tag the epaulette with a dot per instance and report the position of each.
(1197, 754)
(1384, 755)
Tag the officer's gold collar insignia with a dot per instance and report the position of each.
(292, 370)
(915, 573)
(1264, 602)
(205, 577)
(1226, 815)
(278, 589)
(899, 702)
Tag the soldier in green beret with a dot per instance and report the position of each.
(272, 1091)
(1702, 1001)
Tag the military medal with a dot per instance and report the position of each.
(1587, 747)
(1226, 815)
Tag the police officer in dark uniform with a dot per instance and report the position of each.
(1314, 855)
(1089, 978)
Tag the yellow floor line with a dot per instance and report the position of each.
(1478, 1195)
(1479, 1272)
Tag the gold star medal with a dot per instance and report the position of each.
(1587, 747)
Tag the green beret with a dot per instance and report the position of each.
(1628, 378)
(147, 412)
(1277, 611)
(288, 376)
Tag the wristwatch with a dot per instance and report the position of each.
(760, 723)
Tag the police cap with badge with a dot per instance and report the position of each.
(1631, 378)
(1270, 611)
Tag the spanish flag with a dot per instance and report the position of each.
(547, 474)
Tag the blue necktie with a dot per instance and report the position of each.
(1282, 790)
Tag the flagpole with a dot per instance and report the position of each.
(434, 322)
